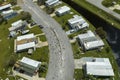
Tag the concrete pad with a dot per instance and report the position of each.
(42, 44)
(53, 14)
(78, 63)
(31, 26)
(42, 7)
(117, 6)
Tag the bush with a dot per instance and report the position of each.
(108, 3)
(40, 2)
(25, 16)
(13, 2)
(50, 10)
(43, 70)
(101, 32)
(117, 11)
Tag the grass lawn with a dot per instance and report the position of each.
(7, 46)
(117, 11)
(105, 16)
(35, 30)
(43, 38)
(16, 8)
(78, 74)
(105, 53)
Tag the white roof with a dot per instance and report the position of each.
(90, 41)
(25, 46)
(16, 25)
(30, 62)
(81, 26)
(76, 19)
(99, 68)
(62, 9)
(5, 6)
(28, 36)
(7, 12)
(19, 22)
(78, 22)
(85, 24)
(86, 35)
(51, 2)
(93, 44)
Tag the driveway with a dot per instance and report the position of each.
(61, 62)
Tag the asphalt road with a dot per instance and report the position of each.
(99, 5)
(61, 62)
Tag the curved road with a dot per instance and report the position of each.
(61, 62)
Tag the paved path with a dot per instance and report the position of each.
(39, 34)
(61, 62)
(99, 5)
(41, 44)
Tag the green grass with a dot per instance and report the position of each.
(7, 46)
(35, 30)
(16, 8)
(103, 15)
(6, 43)
(109, 3)
(95, 53)
(41, 54)
(43, 38)
(117, 11)
(78, 74)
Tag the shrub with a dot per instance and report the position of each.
(101, 32)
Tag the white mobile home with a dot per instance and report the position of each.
(8, 14)
(62, 10)
(4, 13)
(77, 22)
(51, 2)
(28, 65)
(90, 41)
(4, 7)
(99, 67)
(25, 42)
(18, 25)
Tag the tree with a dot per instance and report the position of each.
(6, 21)
(40, 2)
(50, 10)
(107, 49)
(26, 16)
(13, 2)
(101, 32)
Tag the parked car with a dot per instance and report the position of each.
(71, 31)
(41, 26)
(25, 31)
(32, 24)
